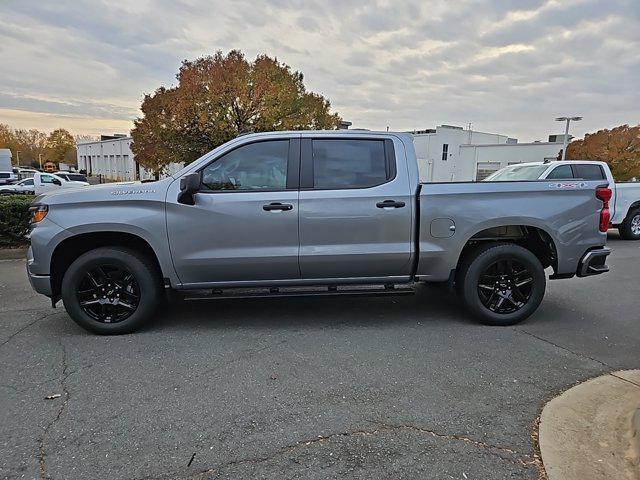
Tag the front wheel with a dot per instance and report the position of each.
(111, 290)
(502, 284)
(630, 228)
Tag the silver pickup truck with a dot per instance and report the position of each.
(300, 213)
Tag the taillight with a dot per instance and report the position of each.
(604, 194)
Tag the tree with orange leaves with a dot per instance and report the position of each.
(218, 98)
(619, 147)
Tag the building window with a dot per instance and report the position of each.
(445, 152)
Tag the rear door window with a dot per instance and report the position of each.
(588, 172)
(343, 163)
(562, 172)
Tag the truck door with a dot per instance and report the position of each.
(355, 208)
(45, 182)
(244, 223)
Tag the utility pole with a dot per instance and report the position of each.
(565, 141)
(18, 157)
(40, 160)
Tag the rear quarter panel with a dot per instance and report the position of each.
(569, 215)
(627, 194)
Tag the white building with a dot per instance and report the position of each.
(451, 154)
(112, 158)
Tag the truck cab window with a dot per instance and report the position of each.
(348, 164)
(589, 172)
(253, 167)
(562, 172)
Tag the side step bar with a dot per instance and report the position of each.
(323, 291)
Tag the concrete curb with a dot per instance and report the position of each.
(592, 431)
(13, 253)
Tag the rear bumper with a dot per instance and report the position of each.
(594, 262)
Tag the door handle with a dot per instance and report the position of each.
(390, 204)
(275, 206)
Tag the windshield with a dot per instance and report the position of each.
(75, 177)
(517, 172)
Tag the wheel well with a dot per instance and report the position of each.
(533, 239)
(71, 248)
(631, 207)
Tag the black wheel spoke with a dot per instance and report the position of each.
(505, 286)
(108, 293)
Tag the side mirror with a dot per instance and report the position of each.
(55, 181)
(189, 186)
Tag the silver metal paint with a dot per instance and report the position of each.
(339, 236)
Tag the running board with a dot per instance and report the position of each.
(331, 290)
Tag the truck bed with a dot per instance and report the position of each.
(450, 214)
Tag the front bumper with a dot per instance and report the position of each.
(40, 283)
(594, 262)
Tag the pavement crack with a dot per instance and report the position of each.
(42, 454)
(577, 354)
(624, 379)
(504, 453)
(22, 329)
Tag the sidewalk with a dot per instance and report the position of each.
(592, 431)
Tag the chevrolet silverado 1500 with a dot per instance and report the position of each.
(292, 213)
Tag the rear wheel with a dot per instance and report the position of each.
(111, 290)
(630, 228)
(502, 284)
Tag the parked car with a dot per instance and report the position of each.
(72, 176)
(26, 173)
(625, 200)
(25, 187)
(7, 177)
(48, 182)
(343, 212)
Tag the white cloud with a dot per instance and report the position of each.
(506, 66)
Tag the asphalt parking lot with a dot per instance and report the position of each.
(389, 387)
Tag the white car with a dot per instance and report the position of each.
(624, 205)
(48, 182)
(25, 186)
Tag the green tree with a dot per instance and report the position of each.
(61, 146)
(219, 97)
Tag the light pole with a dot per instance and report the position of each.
(18, 157)
(565, 141)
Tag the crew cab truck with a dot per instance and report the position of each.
(327, 213)
(625, 200)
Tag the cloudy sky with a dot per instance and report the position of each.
(505, 66)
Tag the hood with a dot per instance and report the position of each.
(108, 192)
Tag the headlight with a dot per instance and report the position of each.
(38, 212)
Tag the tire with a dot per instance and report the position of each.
(521, 291)
(129, 283)
(630, 227)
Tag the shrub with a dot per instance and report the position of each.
(14, 219)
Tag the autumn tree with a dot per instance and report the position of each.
(219, 97)
(619, 147)
(61, 146)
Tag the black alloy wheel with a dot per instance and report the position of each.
(505, 286)
(108, 293)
